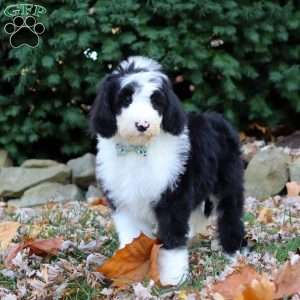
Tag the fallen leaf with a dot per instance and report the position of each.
(12, 253)
(232, 285)
(33, 231)
(293, 189)
(102, 209)
(8, 231)
(262, 289)
(243, 136)
(99, 204)
(217, 296)
(182, 295)
(265, 216)
(97, 201)
(153, 269)
(287, 280)
(133, 263)
(44, 247)
(259, 127)
(142, 292)
(38, 247)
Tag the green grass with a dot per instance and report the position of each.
(79, 289)
(214, 265)
(8, 283)
(249, 218)
(111, 245)
(281, 249)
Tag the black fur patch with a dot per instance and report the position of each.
(214, 167)
(102, 117)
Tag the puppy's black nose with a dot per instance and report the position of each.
(142, 126)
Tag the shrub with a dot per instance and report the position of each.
(236, 57)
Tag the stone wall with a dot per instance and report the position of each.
(38, 181)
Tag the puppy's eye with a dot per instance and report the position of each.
(158, 100)
(125, 97)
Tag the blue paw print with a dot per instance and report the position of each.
(24, 31)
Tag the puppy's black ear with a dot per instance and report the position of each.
(174, 117)
(102, 118)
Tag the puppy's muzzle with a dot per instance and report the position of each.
(142, 126)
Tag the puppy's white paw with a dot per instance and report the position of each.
(173, 266)
(233, 258)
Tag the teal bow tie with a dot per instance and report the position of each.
(125, 149)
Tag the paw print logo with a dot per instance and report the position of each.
(24, 31)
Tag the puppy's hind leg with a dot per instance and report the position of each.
(230, 207)
(230, 225)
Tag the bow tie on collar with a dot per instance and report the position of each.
(123, 149)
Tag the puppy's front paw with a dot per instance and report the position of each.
(173, 266)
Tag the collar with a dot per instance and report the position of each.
(123, 149)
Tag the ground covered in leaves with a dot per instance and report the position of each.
(81, 237)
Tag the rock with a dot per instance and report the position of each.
(83, 170)
(291, 141)
(294, 169)
(5, 161)
(39, 163)
(48, 192)
(250, 149)
(94, 260)
(93, 192)
(92, 246)
(15, 180)
(267, 173)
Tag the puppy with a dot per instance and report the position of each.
(164, 171)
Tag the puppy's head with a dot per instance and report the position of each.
(136, 102)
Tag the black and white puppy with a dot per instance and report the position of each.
(163, 170)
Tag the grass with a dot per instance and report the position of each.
(281, 249)
(110, 245)
(79, 223)
(79, 289)
(7, 283)
(249, 218)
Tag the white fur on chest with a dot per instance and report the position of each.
(134, 182)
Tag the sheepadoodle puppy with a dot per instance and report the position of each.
(163, 170)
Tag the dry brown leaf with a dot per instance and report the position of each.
(217, 296)
(153, 269)
(8, 231)
(97, 201)
(265, 215)
(34, 231)
(262, 289)
(102, 209)
(133, 263)
(99, 204)
(44, 247)
(287, 280)
(293, 189)
(255, 126)
(12, 253)
(38, 247)
(243, 136)
(232, 285)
